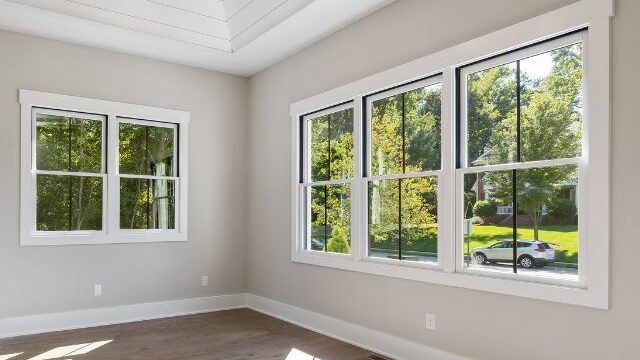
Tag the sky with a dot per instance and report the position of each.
(538, 66)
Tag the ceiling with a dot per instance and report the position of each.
(235, 36)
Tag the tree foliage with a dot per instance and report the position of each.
(551, 124)
(405, 138)
(485, 208)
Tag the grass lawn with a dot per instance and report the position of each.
(565, 236)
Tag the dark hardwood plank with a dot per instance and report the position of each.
(240, 334)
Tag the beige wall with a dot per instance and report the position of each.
(477, 324)
(48, 279)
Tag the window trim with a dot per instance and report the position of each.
(591, 14)
(113, 113)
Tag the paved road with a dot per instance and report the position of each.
(548, 271)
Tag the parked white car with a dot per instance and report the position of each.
(529, 253)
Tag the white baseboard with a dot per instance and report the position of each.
(78, 319)
(376, 341)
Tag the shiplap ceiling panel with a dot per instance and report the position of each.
(233, 35)
(211, 8)
(258, 17)
(233, 7)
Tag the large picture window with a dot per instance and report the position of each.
(522, 116)
(94, 172)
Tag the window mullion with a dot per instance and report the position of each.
(514, 182)
(112, 218)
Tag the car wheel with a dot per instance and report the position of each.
(526, 262)
(480, 258)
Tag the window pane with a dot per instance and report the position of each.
(330, 218)
(319, 135)
(412, 201)
(488, 204)
(331, 138)
(550, 109)
(548, 216)
(547, 230)
(491, 116)
(386, 136)
(341, 138)
(147, 204)
(66, 203)
(419, 219)
(422, 128)
(318, 231)
(551, 113)
(146, 150)
(65, 143)
(384, 218)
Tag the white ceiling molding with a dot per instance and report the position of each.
(234, 36)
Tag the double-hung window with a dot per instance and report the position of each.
(326, 178)
(402, 164)
(520, 160)
(483, 166)
(147, 174)
(96, 171)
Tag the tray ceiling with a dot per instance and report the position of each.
(236, 36)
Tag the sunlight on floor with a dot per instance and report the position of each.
(296, 354)
(9, 356)
(70, 350)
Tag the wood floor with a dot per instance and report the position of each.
(230, 335)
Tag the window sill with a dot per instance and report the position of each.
(562, 291)
(95, 238)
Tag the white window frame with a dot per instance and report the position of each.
(112, 114)
(593, 287)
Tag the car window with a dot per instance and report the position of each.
(497, 246)
(523, 244)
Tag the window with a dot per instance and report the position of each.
(94, 172)
(328, 153)
(404, 160)
(522, 118)
(483, 166)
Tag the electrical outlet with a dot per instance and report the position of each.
(431, 322)
(205, 280)
(97, 290)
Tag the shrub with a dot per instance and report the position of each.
(562, 207)
(338, 242)
(485, 208)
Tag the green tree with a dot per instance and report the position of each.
(551, 121)
(339, 240)
(405, 138)
(331, 138)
